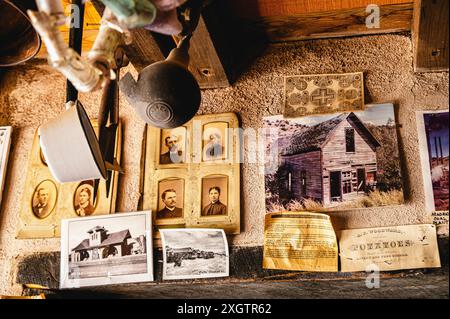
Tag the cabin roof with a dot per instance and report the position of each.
(316, 137)
(82, 246)
(111, 239)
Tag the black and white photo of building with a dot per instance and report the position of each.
(102, 250)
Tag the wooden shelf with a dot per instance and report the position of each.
(247, 280)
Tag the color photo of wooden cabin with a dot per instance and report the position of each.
(336, 161)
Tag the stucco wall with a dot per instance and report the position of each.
(33, 93)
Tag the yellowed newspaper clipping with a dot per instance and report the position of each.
(300, 241)
(389, 248)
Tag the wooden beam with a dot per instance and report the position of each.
(271, 8)
(430, 35)
(205, 62)
(221, 47)
(341, 23)
(90, 28)
(144, 50)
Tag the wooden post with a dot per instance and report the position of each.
(430, 35)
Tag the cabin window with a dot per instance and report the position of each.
(350, 140)
(371, 178)
(303, 181)
(347, 182)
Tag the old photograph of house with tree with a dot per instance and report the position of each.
(329, 162)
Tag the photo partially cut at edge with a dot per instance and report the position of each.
(433, 135)
(5, 144)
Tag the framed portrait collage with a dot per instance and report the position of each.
(46, 202)
(192, 176)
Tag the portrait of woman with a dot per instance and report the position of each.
(214, 196)
(83, 203)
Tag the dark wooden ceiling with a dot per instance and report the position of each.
(232, 32)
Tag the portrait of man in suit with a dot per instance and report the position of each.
(174, 154)
(170, 210)
(44, 199)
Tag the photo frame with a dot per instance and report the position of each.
(5, 145)
(193, 172)
(106, 250)
(67, 204)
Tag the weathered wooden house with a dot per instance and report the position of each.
(333, 161)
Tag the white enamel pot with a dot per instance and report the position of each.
(71, 148)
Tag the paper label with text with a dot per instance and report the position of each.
(389, 248)
(300, 241)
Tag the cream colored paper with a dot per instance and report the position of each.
(389, 248)
(300, 241)
(323, 94)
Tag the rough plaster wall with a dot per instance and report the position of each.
(33, 93)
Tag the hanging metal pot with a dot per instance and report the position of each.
(166, 94)
(19, 42)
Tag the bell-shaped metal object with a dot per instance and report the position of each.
(166, 94)
(19, 41)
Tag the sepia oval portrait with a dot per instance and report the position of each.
(83, 199)
(44, 199)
